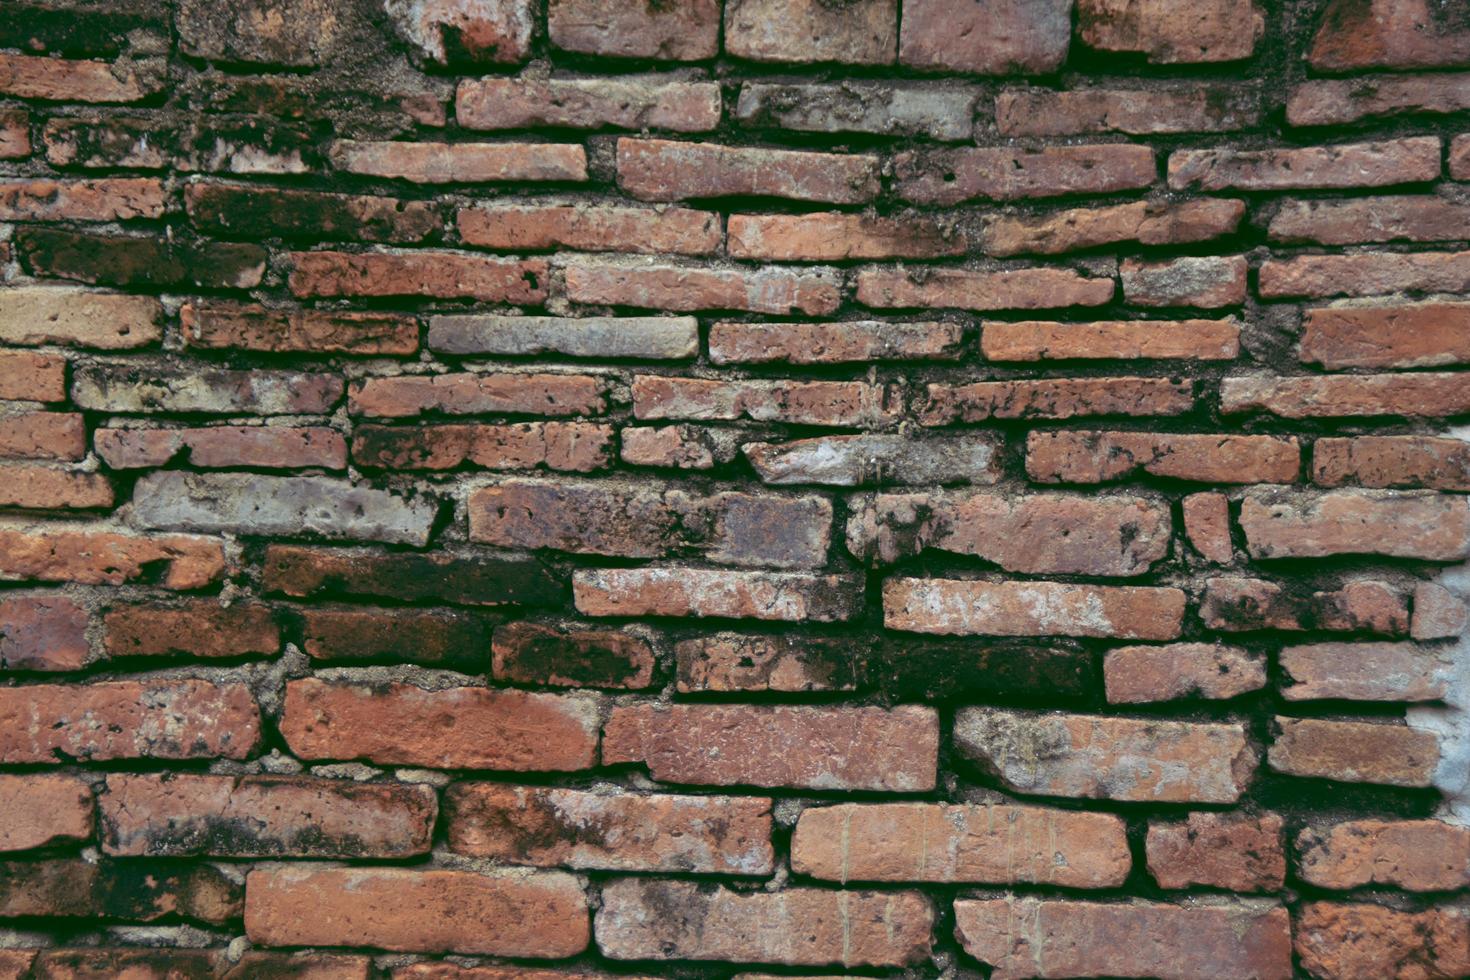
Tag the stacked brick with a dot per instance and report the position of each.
(894, 487)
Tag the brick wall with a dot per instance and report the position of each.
(513, 489)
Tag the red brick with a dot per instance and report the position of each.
(971, 608)
(1459, 158)
(1002, 173)
(43, 435)
(577, 447)
(32, 377)
(1038, 534)
(530, 653)
(1034, 340)
(453, 728)
(475, 580)
(1407, 217)
(537, 915)
(686, 31)
(443, 275)
(43, 808)
(76, 888)
(1409, 336)
(1345, 942)
(1009, 289)
(685, 447)
(661, 286)
(1419, 855)
(1364, 672)
(409, 395)
(550, 827)
(15, 134)
(1144, 222)
(445, 32)
(1344, 165)
(1242, 854)
(1365, 274)
(701, 592)
(241, 211)
(260, 329)
(55, 80)
(846, 404)
(745, 662)
(1422, 395)
(1208, 282)
(102, 199)
(1173, 31)
(536, 227)
(435, 637)
(1207, 526)
(577, 103)
(461, 163)
(1089, 456)
(1137, 112)
(43, 632)
(1291, 524)
(217, 447)
(201, 629)
(151, 386)
(733, 342)
(661, 170)
(1358, 34)
(834, 237)
(1029, 36)
(1239, 604)
(992, 843)
(1054, 398)
(861, 33)
(105, 720)
(654, 919)
(1354, 751)
(105, 558)
(872, 457)
(1094, 757)
(1025, 936)
(1146, 674)
(43, 488)
(34, 315)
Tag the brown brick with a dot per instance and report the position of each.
(1354, 751)
(1002, 173)
(1009, 289)
(103, 558)
(577, 447)
(1459, 158)
(533, 915)
(34, 315)
(1365, 274)
(1400, 161)
(1034, 340)
(239, 211)
(1242, 854)
(29, 487)
(461, 163)
(1025, 36)
(187, 814)
(745, 662)
(80, 889)
(409, 395)
(728, 594)
(1409, 336)
(853, 748)
(885, 458)
(1173, 31)
(661, 286)
(530, 653)
(993, 843)
(1144, 222)
(150, 386)
(732, 342)
(861, 33)
(453, 728)
(835, 237)
(1239, 604)
(1089, 456)
(443, 275)
(1419, 855)
(1356, 34)
(43, 632)
(1229, 942)
(648, 337)
(1408, 217)
(685, 447)
(1094, 757)
(42, 809)
(1054, 398)
(1208, 282)
(970, 608)
(32, 377)
(300, 966)
(1290, 524)
(847, 404)
(686, 31)
(1344, 942)
(435, 637)
(87, 963)
(15, 134)
(1145, 674)
(102, 199)
(105, 720)
(56, 80)
(1421, 395)
(661, 170)
(43, 435)
(135, 260)
(1365, 672)
(200, 629)
(644, 919)
(1207, 526)
(473, 580)
(550, 827)
(215, 447)
(537, 227)
(1137, 112)
(580, 103)
(1036, 534)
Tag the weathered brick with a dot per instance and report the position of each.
(1438, 613)
(1240, 604)
(86, 963)
(1145, 674)
(1243, 854)
(1459, 158)
(105, 720)
(42, 809)
(105, 558)
(1365, 672)
(686, 31)
(537, 227)
(472, 580)
(1008, 289)
(43, 435)
(98, 141)
(1365, 274)
(81, 889)
(643, 919)
(835, 237)
(1173, 31)
(1290, 524)
(147, 387)
(1419, 855)
(1136, 111)
(1401, 161)
(1144, 222)
(660, 286)
(940, 111)
(1229, 942)
(968, 608)
(1338, 102)
(734, 342)
(25, 376)
(1422, 395)
(653, 337)
(453, 728)
(300, 966)
(1036, 340)
(551, 827)
(445, 32)
(408, 395)
(34, 315)
(1388, 34)
(530, 653)
(850, 461)
(864, 32)
(1343, 942)
(1409, 217)
(29, 487)
(660, 170)
(187, 814)
(461, 163)
(1408, 336)
(853, 748)
(1054, 398)
(262, 31)
(565, 446)
(1209, 282)
(534, 915)
(56, 80)
(1090, 456)
(444, 970)
(1354, 751)
(845, 404)
(576, 103)
(202, 628)
(101, 29)
(1207, 526)
(685, 447)
(134, 260)
(257, 328)
(434, 637)
(1096, 757)
(239, 211)
(779, 662)
(1012, 36)
(701, 592)
(15, 134)
(994, 843)
(1003, 173)
(249, 147)
(103, 199)
(268, 447)
(443, 275)
(43, 632)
